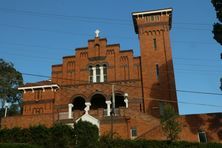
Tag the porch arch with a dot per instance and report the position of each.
(98, 100)
(78, 103)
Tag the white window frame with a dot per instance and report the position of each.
(131, 132)
(205, 135)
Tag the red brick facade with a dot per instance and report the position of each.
(141, 84)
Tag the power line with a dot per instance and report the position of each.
(87, 17)
(87, 83)
(151, 99)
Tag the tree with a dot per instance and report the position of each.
(220, 83)
(170, 125)
(86, 134)
(10, 79)
(217, 28)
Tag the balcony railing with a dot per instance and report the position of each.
(98, 113)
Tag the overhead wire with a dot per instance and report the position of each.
(87, 83)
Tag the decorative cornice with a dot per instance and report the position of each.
(43, 87)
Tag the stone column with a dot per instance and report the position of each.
(70, 106)
(101, 74)
(126, 99)
(94, 74)
(87, 108)
(108, 103)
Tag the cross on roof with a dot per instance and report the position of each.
(97, 32)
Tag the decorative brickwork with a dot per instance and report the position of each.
(82, 84)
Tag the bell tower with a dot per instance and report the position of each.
(153, 29)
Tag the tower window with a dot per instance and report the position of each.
(105, 72)
(157, 72)
(90, 74)
(154, 44)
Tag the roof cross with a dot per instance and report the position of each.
(97, 32)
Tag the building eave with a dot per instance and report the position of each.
(52, 86)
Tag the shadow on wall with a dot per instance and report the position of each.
(163, 90)
(195, 123)
(210, 123)
(215, 124)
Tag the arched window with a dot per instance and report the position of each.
(79, 103)
(90, 74)
(119, 100)
(105, 72)
(97, 73)
(98, 101)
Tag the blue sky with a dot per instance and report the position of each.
(36, 34)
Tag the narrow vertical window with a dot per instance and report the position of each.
(154, 44)
(97, 73)
(202, 137)
(90, 74)
(157, 72)
(133, 132)
(105, 72)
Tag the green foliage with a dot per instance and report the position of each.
(217, 27)
(220, 83)
(117, 143)
(108, 140)
(170, 125)
(40, 135)
(62, 136)
(86, 134)
(10, 79)
(17, 145)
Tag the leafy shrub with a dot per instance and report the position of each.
(62, 136)
(40, 135)
(86, 135)
(17, 145)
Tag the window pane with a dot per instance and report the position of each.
(202, 137)
(97, 78)
(133, 132)
(91, 79)
(157, 72)
(105, 78)
(97, 71)
(91, 72)
(104, 70)
(154, 44)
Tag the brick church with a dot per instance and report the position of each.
(115, 90)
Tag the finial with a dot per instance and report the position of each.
(97, 32)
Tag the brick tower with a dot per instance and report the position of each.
(153, 29)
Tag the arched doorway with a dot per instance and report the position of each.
(98, 101)
(119, 100)
(79, 103)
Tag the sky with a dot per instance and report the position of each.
(36, 34)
